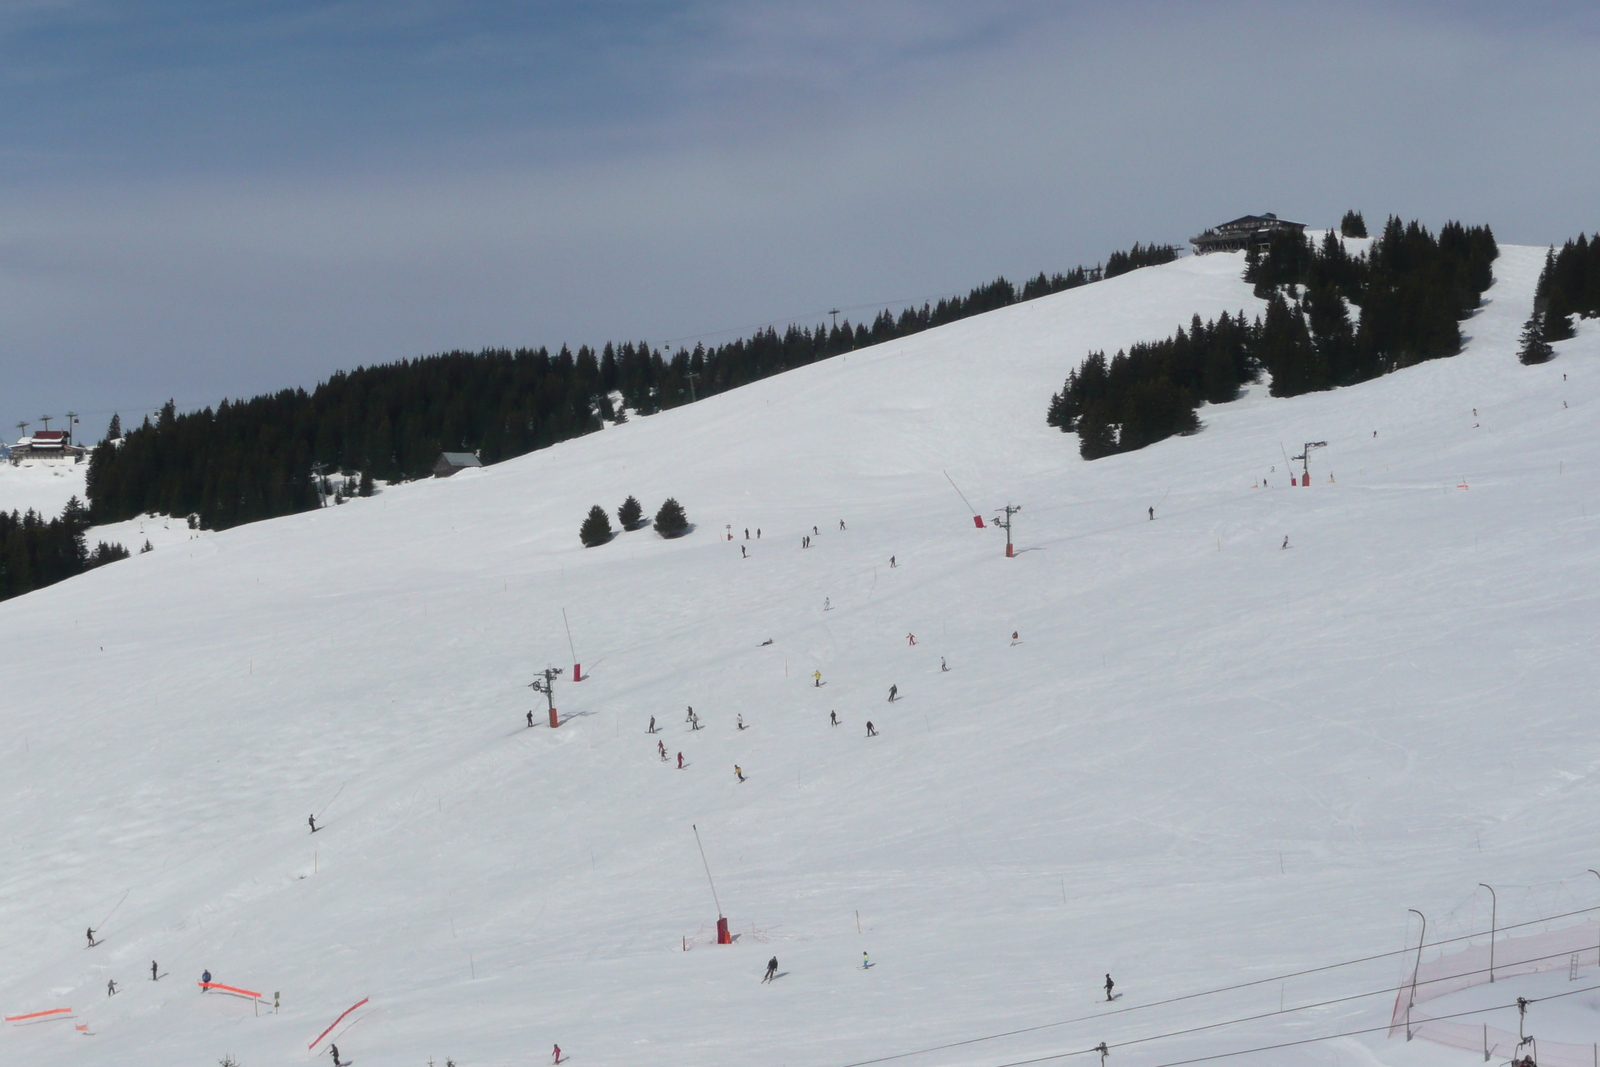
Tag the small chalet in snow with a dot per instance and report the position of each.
(46, 444)
(450, 462)
(1244, 233)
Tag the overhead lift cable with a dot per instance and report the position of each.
(1221, 989)
(1281, 1044)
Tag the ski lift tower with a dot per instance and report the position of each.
(1305, 465)
(546, 684)
(1005, 524)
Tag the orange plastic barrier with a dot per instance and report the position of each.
(229, 988)
(38, 1015)
(337, 1021)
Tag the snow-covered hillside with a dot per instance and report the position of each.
(1205, 760)
(41, 485)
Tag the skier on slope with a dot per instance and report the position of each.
(911, 639)
(661, 747)
(740, 718)
(943, 666)
(556, 1055)
(894, 691)
(834, 717)
(312, 820)
(1152, 514)
(205, 981)
(111, 988)
(1109, 985)
(738, 772)
(870, 731)
(680, 761)
(153, 970)
(742, 553)
(91, 938)
(690, 716)
(841, 524)
(649, 731)
(772, 969)
(816, 679)
(530, 718)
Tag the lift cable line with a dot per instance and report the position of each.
(1290, 1044)
(1222, 989)
(1387, 990)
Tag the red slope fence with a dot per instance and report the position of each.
(336, 1022)
(36, 1015)
(1566, 948)
(230, 989)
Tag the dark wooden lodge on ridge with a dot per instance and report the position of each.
(1242, 234)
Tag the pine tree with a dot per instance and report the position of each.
(365, 488)
(1535, 349)
(1096, 436)
(114, 431)
(630, 513)
(1352, 225)
(596, 529)
(670, 519)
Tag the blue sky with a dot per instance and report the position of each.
(201, 200)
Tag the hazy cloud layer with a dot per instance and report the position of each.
(196, 204)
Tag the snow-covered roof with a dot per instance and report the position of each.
(460, 459)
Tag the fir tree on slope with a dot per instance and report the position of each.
(670, 519)
(596, 529)
(1352, 225)
(630, 513)
(1535, 349)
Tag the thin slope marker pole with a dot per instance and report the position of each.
(707, 866)
(570, 648)
(722, 923)
(977, 518)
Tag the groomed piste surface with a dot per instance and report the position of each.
(1206, 759)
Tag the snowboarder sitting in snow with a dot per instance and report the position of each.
(772, 969)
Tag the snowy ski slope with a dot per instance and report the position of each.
(1209, 759)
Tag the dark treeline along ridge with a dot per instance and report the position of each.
(34, 551)
(1412, 289)
(1569, 285)
(254, 459)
